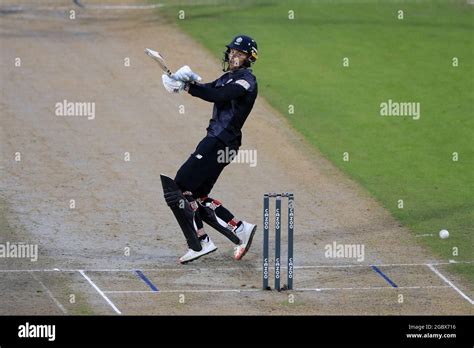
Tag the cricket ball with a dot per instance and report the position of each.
(443, 234)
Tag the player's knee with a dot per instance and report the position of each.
(183, 182)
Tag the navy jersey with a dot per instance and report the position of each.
(233, 95)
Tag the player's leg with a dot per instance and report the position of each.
(223, 221)
(182, 211)
(200, 166)
(179, 197)
(220, 218)
(206, 243)
(245, 232)
(187, 215)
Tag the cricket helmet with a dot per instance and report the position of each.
(245, 44)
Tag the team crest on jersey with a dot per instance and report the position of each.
(194, 205)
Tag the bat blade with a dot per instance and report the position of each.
(156, 56)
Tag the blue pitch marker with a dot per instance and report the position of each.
(146, 280)
(376, 269)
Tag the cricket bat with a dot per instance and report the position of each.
(159, 59)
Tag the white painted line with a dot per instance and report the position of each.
(50, 294)
(259, 267)
(85, 6)
(375, 288)
(184, 268)
(383, 265)
(125, 7)
(180, 291)
(261, 290)
(446, 280)
(100, 292)
(38, 270)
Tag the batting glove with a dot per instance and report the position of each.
(186, 74)
(172, 85)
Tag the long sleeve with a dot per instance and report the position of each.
(216, 95)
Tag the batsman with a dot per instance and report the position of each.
(233, 95)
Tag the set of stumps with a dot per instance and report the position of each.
(278, 230)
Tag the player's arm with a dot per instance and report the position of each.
(216, 95)
(207, 85)
(176, 86)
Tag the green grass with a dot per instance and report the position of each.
(337, 108)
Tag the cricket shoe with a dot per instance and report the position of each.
(207, 248)
(245, 236)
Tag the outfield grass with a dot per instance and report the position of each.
(337, 108)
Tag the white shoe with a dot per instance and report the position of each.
(245, 236)
(207, 248)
